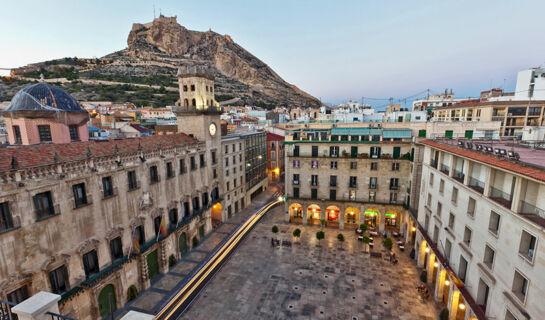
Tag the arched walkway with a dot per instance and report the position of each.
(457, 306)
(391, 220)
(332, 215)
(313, 214)
(351, 217)
(371, 218)
(296, 212)
(106, 301)
(423, 259)
(182, 243)
(217, 212)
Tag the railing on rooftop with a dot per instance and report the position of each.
(55, 316)
(526, 208)
(503, 198)
(458, 175)
(433, 163)
(476, 185)
(5, 310)
(445, 169)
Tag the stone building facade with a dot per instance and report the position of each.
(234, 176)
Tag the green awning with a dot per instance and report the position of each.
(355, 131)
(397, 133)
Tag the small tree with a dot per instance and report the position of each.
(387, 243)
(297, 233)
(366, 240)
(322, 223)
(363, 227)
(275, 229)
(320, 235)
(340, 237)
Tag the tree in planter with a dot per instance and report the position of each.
(387, 243)
(340, 237)
(363, 227)
(320, 235)
(297, 233)
(171, 260)
(366, 240)
(274, 230)
(322, 223)
(132, 293)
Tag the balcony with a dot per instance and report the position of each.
(459, 176)
(433, 163)
(527, 208)
(445, 169)
(332, 184)
(476, 185)
(503, 198)
(352, 185)
(314, 183)
(295, 182)
(394, 187)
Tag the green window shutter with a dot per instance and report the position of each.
(422, 133)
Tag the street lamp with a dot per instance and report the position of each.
(427, 250)
(462, 306)
(447, 283)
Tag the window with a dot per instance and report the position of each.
(352, 194)
(353, 165)
(90, 263)
(374, 152)
(226, 161)
(80, 198)
(508, 314)
(467, 236)
(332, 194)
(59, 280)
(296, 192)
(214, 160)
(157, 224)
(435, 233)
(462, 269)
(353, 182)
(73, 133)
(431, 179)
(116, 249)
(482, 294)
(204, 196)
(489, 254)
(314, 180)
(153, 175)
(296, 151)
(131, 177)
(228, 187)
(193, 164)
(395, 166)
(374, 166)
(448, 248)
(394, 184)
(185, 88)
(314, 164)
(428, 203)
(273, 155)
(226, 149)
(372, 196)
(451, 219)
(520, 286)
(19, 295)
(494, 223)
(296, 179)
(192, 87)
(17, 134)
(173, 216)
(441, 186)
(140, 234)
(332, 181)
(454, 196)
(314, 194)
(170, 171)
(45, 133)
(439, 209)
(372, 183)
(393, 197)
(296, 163)
(471, 207)
(202, 161)
(6, 221)
(334, 152)
(333, 165)
(314, 151)
(183, 169)
(527, 245)
(107, 187)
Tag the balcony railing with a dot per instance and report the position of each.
(433, 163)
(296, 182)
(332, 184)
(5, 310)
(503, 198)
(314, 183)
(526, 208)
(476, 185)
(445, 169)
(352, 185)
(458, 175)
(394, 187)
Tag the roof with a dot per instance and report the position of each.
(43, 96)
(516, 167)
(524, 103)
(275, 137)
(140, 128)
(20, 157)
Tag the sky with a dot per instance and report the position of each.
(334, 50)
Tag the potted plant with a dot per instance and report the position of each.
(366, 240)
(322, 223)
(387, 242)
(340, 237)
(320, 235)
(297, 233)
(274, 229)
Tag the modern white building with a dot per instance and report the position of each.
(530, 84)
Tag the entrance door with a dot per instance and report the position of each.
(106, 301)
(182, 243)
(397, 152)
(153, 264)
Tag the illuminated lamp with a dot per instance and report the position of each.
(462, 306)
(427, 250)
(413, 229)
(447, 283)
(436, 264)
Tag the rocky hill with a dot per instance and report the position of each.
(154, 52)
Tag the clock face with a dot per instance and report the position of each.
(212, 129)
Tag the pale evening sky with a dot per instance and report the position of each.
(335, 50)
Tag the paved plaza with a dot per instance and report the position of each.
(311, 281)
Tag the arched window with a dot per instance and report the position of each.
(186, 103)
(185, 88)
(192, 87)
(194, 103)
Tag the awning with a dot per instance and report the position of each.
(397, 133)
(355, 131)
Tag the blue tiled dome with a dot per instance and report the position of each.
(44, 97)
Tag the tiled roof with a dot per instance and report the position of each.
(44, 154)
(516, 167)
(140, 128)
(275, 137)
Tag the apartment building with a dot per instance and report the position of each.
(479, 226)
(275, 156)
(234, 173)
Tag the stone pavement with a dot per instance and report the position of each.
(150, 300)
(311, 281)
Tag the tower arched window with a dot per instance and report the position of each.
(192, 87)
(185, 88)
(194, 102)
(186, 103)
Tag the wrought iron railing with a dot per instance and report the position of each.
(526, 208)
(503, 198)
(55, 316)
(433, 163)
(458, 175)
(445, 169)
(5, 310)
(476, 185)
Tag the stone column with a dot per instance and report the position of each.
(469, 166)
(516, 196)
(36, 307)
(488, 181)
(341, 221)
